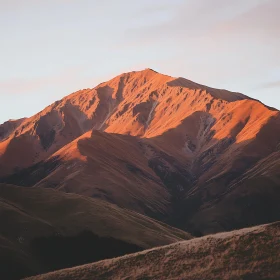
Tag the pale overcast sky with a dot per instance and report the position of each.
(52, 48)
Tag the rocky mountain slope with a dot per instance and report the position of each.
(251, 253)
(43, 230)
(202, 159)
(136, 103)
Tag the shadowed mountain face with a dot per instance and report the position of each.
(43, 230)
(198, 158)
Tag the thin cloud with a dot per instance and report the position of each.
(217, 18)
(23, 86)
(274, 84)
(262, 21)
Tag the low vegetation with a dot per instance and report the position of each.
(249, 254)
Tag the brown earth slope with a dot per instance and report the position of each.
(44, 230)
(184, 153)
(136, 103)
(251, 253)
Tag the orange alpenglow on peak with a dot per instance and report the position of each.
(201, 159)
(154, 144)
(141, 103)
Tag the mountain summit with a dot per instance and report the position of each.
(143, 103)
(199, 158)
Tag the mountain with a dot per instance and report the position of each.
(44, 230)
(125, 104)
(8, 127)
(251, 253)
(201, 159)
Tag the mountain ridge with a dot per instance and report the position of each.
(162, 146)
(81, 111)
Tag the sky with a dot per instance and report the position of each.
(52, 48)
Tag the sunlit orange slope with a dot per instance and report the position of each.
(143, 103)
(163, 146)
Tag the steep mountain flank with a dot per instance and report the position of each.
(198, 158)
(132, 103)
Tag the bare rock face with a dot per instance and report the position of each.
(199, 158)
(8, 127)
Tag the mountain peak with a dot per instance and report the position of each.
(205, 159)
(160, 79)
(150, 70)
(140, 103)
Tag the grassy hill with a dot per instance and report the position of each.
(249, 254)
(43, 230)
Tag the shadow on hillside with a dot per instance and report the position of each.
(28, 177)
(219, 176)
(58, 252)
(11, 269)
(213, 174)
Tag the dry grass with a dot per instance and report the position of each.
(245, 254)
